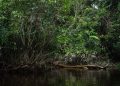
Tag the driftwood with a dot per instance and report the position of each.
(58, 64)
(20, 69)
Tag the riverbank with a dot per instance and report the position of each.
(28, 69)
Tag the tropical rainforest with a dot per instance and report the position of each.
(39, 32)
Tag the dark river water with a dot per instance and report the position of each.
(63, 78)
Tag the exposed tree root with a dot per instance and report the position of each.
(21, 68)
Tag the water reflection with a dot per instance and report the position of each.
(63, 78)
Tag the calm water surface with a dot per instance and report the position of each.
(63, 78)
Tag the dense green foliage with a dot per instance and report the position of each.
(33, 30)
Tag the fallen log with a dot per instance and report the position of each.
(57, 64)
